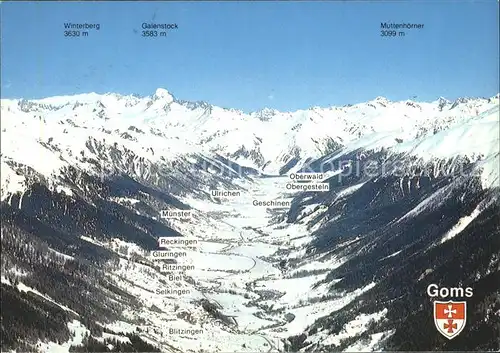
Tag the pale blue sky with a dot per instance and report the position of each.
(250, 55)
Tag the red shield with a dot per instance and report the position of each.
(450, 317)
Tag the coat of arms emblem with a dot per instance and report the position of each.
(450, 317)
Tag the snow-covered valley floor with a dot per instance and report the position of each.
(237, 270)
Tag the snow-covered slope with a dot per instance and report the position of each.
(413, 192)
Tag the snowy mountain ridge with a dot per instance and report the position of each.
(161, 127)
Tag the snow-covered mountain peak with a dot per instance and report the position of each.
(442, 100)
(463, 100)
(381, 99)
(194, 105)
(265, 114)
(164, 95)
(267, 110)
(68, 99)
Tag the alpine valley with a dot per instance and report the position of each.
(89, 183)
